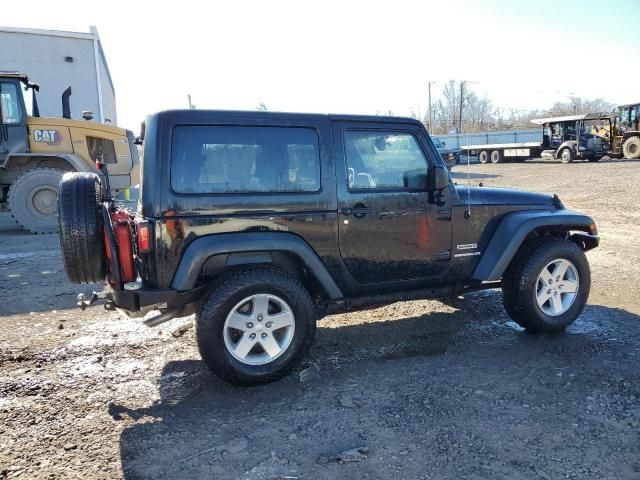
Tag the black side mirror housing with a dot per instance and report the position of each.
(444, 144)
(440, 178)
(416, 181)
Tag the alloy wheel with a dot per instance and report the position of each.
(259, 329)
(557, 287)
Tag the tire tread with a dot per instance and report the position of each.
(231, 284)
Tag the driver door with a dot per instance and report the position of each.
(388, 229)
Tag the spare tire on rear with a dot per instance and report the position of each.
(80, 227)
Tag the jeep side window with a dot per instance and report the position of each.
(11, 114)
(244, 159)
(382, 160)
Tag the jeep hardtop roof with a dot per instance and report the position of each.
(186, 115)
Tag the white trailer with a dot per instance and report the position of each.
(500, 152)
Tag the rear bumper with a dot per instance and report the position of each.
(160, 299)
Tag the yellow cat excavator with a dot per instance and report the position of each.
(35, 152)
(625, 141)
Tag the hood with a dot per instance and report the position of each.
(64, 122)
(504, 196)
(446, 150)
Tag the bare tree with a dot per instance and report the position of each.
(479, 114)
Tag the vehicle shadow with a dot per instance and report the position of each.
(204, 428)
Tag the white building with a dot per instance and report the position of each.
(56, 60)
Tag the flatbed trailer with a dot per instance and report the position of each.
(500, 152)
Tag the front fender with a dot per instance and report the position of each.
(572, 144)
(77, 163)
(203, 248)
(514, 228)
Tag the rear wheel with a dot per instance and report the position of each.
(631, 148)
(255, 326)
(496, 156)
(566, 156)
(547, 285)
(33, 199)
(483, 156)
(80, 228)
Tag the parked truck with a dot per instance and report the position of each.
(567, 138)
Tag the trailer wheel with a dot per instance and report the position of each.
(566, 155)
(497, 156)
(631, 148)
(483, 156)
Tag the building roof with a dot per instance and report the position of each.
(50, 33)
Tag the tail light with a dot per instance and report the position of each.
(144, 237)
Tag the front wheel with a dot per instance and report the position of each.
(566, 156)
(547, 285)
(631, 148)
(255, 326)
(483, 156)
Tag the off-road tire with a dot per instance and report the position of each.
(220, 300)
(520, 280)
(80, 227)
(483, 156)
(566, 155)
(33, 215)
(497, 156)
(631, 148)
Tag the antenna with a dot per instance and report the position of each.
(467, 214)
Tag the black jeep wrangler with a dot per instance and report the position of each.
(261, 223)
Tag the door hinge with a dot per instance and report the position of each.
(443, 256)
(444, 214)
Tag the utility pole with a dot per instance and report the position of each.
(461, 101)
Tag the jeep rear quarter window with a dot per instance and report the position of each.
(244, 159)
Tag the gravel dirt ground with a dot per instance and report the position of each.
(412, 390)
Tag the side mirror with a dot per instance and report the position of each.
(440, 177)
(416, 181)
(444, 144)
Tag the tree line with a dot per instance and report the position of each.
(480, 115)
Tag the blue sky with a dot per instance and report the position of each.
(352, 57)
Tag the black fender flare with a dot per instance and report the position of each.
(514, 228)
(200, 250)
(74, 161)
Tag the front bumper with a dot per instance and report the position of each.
(585, 240)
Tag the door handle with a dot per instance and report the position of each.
(357, 211)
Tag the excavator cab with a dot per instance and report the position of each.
(629, 117)
(13, 116)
